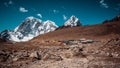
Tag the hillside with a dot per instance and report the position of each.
(98, 31)
(93, 46)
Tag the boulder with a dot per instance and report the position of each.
(15, 59)
(35, 55)
(76, 51)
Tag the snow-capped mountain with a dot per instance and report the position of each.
(32, 27)
(73, 21)
(49, 26)
(29, 29)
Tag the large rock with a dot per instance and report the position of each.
(35, 55)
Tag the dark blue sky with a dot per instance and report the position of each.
(13, 12)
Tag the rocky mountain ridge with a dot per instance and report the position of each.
(32, 27)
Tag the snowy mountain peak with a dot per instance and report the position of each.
(48, 22)
(72, 17)
(49, 26)
(30, 18)
(32, 27)
(28, 24)
(51, 23)
(28, 29)
(73, 21)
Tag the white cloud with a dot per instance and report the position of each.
(10, 2)
(64, 17)
(7, 4)
(21, 9)
(103, 4)
(55, 11)
(39, 15)
(118, 7)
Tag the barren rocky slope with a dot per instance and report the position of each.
(96, 46)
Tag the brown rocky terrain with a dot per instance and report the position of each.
(94, 46)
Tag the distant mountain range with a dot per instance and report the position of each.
(109, 29)
(32, 27)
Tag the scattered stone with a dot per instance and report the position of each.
(46, 56)
(90, 58)
(114, 41)
(97, 52)
(115, 55)
(52, 57)
(21, 54)
(84, 60)
(35, 55)
(67, 55)
(2, 53)
(76, 51)
(15, 59)
(56, 57)
(108, 54)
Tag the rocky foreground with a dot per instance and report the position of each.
(102, 54)
(95, 46)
